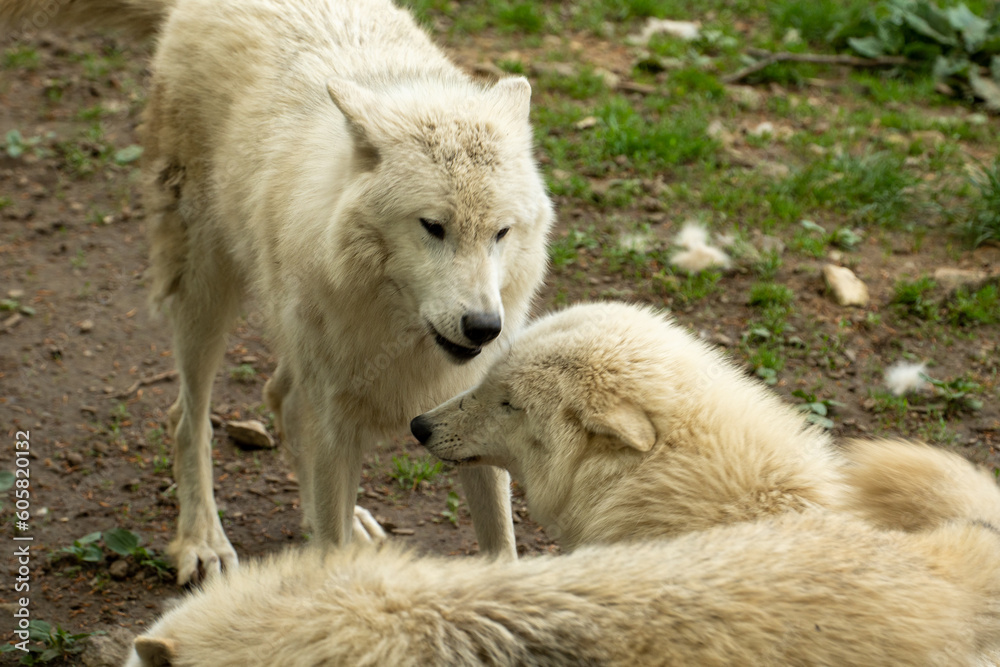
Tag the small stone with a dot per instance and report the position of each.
(110, 650)
(74, 458)
(15, 294)
(119, 569)
(403, 531)
(249, 434)
(762, 129)
(86, 326)
(847, 288)
(585, 123)
(101, 447)
(950, 278)
(773, 244)
(721, 339)
(745, 96)
(611, 80)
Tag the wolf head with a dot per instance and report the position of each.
(574, 404)
(449, 207)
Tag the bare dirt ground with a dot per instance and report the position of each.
(85, 369)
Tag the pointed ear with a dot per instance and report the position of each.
(625, 422)
(155, 651)
(513, 95)
(355, 103)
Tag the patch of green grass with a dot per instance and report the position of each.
(983, 223)
(21, 57)
(585, 85)
(650, 145)
(970, 307)
(767, 361)
(875, 188)
(409, 473)
(244, 374)
(767, 266)
(765, 294)
(511, 66)
(524, 17)
(892, 408)
(564, 250)
(913, 297)
(696, 81)
(814, 20)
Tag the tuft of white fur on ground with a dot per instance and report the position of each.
(905, 378)
(698, 254)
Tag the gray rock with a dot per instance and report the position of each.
(249, 434)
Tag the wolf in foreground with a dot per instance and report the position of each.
(816, 588)
(385, 209)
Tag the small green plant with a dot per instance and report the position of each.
(817, 410)
(51, 644)
(85, 549)
(24, 57)
(763, 295)
(959, 47)
(521, 16)
(409, 473)
(958, 394)
(244, 374)
(16, 145)
(451, 511)
(767, 362)
(984, 217)
(969, 307)
(914, 298)
(126, 543)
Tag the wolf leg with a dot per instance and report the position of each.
(201, 312)
(281, 396)
(487, 490)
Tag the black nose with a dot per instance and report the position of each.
(481, 328)
(421, 429)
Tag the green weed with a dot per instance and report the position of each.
(451, 511)
(51, 644)
(983, 223)
(409, 473)
(244, 374)
(914, 298)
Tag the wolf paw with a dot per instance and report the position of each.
(201, 559)
(366, 528)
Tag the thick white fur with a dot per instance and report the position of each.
(621, 425)
(291, 151)
(802, 589)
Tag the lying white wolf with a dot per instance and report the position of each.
(621, 426)
(804, 589)
(387, 210)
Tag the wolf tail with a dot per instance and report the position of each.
(139, 17)
(914, 487)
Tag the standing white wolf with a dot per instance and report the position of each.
(385, 208)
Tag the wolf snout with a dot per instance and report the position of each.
(421, 428)
(480, 328)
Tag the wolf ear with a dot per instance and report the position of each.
(625, 422)
(155, 651)
(513, 95)
(355, 102)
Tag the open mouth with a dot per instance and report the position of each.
(467, 460)
(460, 353)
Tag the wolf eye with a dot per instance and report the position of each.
(433, 228)
(502, 233)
